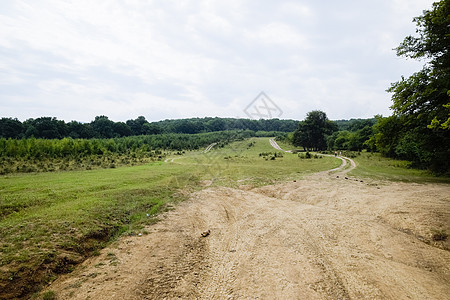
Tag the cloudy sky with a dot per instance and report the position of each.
(78, 59)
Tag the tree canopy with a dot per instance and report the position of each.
(103, 127)
(419, 128)
(311, 133)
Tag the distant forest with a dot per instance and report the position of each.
(102, 127)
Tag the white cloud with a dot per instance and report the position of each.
(279, 34)
(300, 10)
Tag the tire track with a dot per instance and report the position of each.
(209, 147)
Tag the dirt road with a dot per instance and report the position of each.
(276, 146)
(321, 237)
(209, 147)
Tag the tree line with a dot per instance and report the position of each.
(419, 129)
(102, 127)
(317, 133)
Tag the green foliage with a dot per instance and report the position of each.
(11, 128)
(411, 147)
(307, 155)
(102, 127)
(68, 147)
(270, 155)
(418, 131)
(49, 295)
(388, 133)
(137, 125)
(311, 133)
(436, 124)
(434, 37)
(355, 124)
(45, 127)
(354, 135)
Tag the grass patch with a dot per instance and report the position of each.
(373, 165)
(52, 221)
(49, 295)
(254, 162)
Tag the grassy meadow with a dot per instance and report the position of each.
(52, 221)
(373, 165)
(252, 162)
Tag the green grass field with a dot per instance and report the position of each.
(373, 165)
(241, 163)
(52, 221)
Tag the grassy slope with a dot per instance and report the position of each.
(241, 163)
(375, 166)
(51, 221)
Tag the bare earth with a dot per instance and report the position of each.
(322, 237)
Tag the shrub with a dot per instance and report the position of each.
(49, 295)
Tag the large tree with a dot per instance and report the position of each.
(422, 101)
(45, 127)
(311, 133)
(103, 127)
(137, 125)
(10, 128)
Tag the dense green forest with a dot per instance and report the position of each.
(103, 127)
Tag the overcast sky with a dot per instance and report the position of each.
(78, 59)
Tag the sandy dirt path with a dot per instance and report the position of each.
(322, 237)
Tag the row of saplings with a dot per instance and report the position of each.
(109, 160)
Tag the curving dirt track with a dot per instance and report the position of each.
(322, 237)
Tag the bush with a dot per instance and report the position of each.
(49, 295)
(307, 155)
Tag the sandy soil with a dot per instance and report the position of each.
(322, 237)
